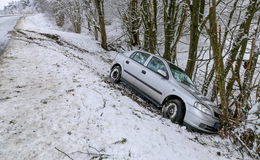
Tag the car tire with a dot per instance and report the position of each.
(115, 74)
(174, 110)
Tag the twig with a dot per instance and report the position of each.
(95, 149)
(92, 154)
(64, 153)
(104, 100)
(116, 39)
(243, 144)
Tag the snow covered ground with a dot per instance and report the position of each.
(7, 24)
(56, 104)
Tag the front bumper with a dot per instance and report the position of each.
(201, 121)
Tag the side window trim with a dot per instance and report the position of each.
(147, 61)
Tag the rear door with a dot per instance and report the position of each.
(133, 68)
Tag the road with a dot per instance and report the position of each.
(7, 24)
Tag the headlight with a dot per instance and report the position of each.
(202, 108)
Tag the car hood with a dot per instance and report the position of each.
(201, 98)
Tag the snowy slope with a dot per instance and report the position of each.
(7, 24)
(54, 101)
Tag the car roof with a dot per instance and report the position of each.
(160, 57)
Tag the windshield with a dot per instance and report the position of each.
(180, 75)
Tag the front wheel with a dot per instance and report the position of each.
(174, 110)
(115, 74)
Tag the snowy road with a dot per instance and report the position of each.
(7, 24)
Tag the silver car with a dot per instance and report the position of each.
(168, 87)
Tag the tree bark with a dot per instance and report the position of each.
(149, 19)
(153, 32)
(250, 70)
(196, 9)
(174, 18)
(219, 64)
(168, 10)
(101, 18)
(134, 23)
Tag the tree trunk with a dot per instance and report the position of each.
(250, 70)
(219, 64)
(249, 73)
(153, 28)
(149, 18)
(168, 10)
(147, 24)
(179, 32)
(134, 23)
(195, 8)
(60, 18)
(174, 13)
(102, 28)
(96, 32)
(227, 28)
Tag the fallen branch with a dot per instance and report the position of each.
(92, 154)
(102, 150)
(104, 100)
(116, 39)
(64, 153)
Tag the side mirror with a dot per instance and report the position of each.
(162, 73)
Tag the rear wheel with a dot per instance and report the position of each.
(115, 74)
(174, 110)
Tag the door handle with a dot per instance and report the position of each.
(127, 62)
(143, 71)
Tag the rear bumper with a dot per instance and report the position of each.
(201, 121)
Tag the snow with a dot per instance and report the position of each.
(7, 24)
(54, 97)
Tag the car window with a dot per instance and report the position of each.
(156, 64)
(140, 57)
